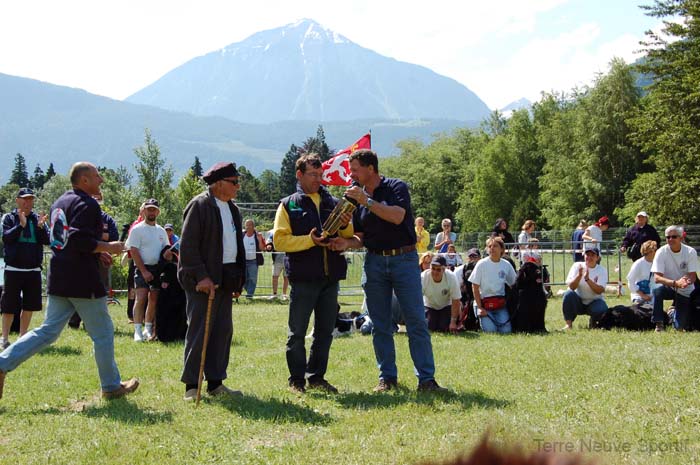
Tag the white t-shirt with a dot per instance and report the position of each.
(440, 295)
(149, 240)
(676, 265)
(639, 272)
(229, 232)
(452, 259)
(598, 275)
(492, 277)
(596, 233)
(249, 244)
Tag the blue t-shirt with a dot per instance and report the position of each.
(378, 233)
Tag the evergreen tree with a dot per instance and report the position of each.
(50, 172)
(38, 178)
(197, 168)
(288, 176)
(19, 173)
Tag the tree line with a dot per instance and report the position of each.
(612, 148)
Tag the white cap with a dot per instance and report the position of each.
(642, 213)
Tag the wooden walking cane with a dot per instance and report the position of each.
(207, 320)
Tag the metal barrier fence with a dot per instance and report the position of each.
(557, 256)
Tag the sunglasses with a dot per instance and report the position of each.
(671, 237)
(235, 182)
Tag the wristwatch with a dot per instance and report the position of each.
(370, 202)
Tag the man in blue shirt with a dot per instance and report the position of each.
(383, 223)
(74, 283)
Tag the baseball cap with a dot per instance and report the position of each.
(439, 260)
(25, 192)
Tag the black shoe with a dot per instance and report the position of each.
(323, 385)
(297, 387)
(386, 384)
(431, 386)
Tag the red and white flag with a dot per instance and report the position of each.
(336, 171)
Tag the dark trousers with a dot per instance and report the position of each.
(682, 305)
(438, 318)
(321, 298)
(220, 334)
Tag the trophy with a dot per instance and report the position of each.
(332, 223)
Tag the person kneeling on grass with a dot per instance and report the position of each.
(586, 283)
(674, 267)
(489, 279)
(441, 296)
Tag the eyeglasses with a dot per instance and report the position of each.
(671, 237)
(235, 182)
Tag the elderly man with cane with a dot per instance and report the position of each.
(211, 266)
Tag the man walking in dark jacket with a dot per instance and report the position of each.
(314, 271)
(74, 283)
(212, 263)
(24, 235)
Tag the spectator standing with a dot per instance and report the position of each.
(24, 235)
(577, 240)
(254, 245)
(586, 283)
(145, 243)
(637, 235)
(593, 235)
(500, 229)
(526, 232)
(277, 268)
(674, 267)
(445, 237)
(422, 236)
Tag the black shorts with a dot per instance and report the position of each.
(22, 292)
(152, 285)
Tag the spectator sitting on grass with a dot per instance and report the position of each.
(639, 276)
(586, 283)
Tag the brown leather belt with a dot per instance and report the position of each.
(393, 252)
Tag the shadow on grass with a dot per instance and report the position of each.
(467, 400)
(61, 350)
(126, 412)
(271, 409)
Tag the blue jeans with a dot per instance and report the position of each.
(401, 275)
(681, 303)
(251, 277)
(573, 306)
(97, 322)
(496, 321)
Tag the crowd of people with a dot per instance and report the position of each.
(218, 254)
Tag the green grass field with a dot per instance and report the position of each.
(633, 397)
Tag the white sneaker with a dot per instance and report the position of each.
(4, 344)
(138, 336)
(273, 297)
(147, 335)
(284, 297)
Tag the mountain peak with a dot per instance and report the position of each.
(305, 71)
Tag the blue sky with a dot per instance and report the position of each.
(502, 50)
